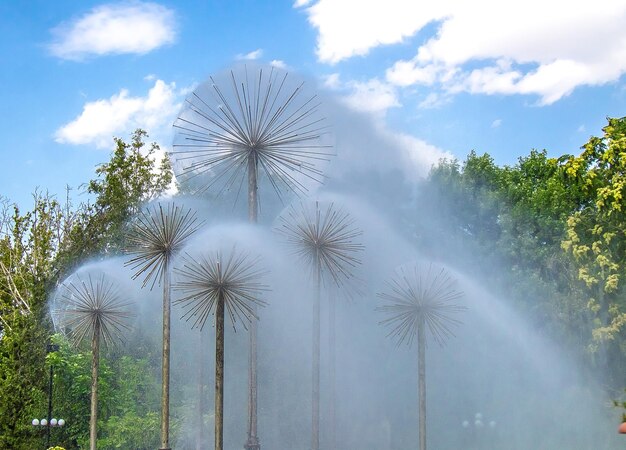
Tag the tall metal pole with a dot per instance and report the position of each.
(50, 348)
(200, 404)
(253, 440)
(315, 424)
(165, 386)
(331, 373)
(49, 407)
(95, 364)
(421, 382)
(219, 374)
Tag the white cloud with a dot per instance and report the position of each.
(122, 113)
(434, 100)
(115, 28)
(251, 56)
(535, 47)
(496, 123)
(406, 73)
(372, 96)
(353, 27)
(332, 81)
(278, 64)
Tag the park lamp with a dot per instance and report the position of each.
(478, 422)
(44, 422)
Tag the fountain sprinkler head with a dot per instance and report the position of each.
(417, 297)
(251, 115)
(204, 280)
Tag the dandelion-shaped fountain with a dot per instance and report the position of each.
(90, 308)
(156, 235)
(325, 238)
(418, 299)
(217, 284)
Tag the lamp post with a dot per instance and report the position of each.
(50, 421)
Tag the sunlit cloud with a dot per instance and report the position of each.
(251, 56)
(353, 27)
(434, 100)
(278, 64)
(489, 47)
(121, 114)
(332, 81)
(115, 28)
(372, 96)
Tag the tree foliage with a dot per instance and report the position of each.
(28, 244)
(557, 227)
(131, 177)
(36, 249)
(596, 232)
(128, 399)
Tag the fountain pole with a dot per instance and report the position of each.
(165, 368)
(95, 363)
(421, 381)
(219, 373)
(332, 439)
(253, 441)
(315, 425)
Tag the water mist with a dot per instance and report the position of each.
(496, 385)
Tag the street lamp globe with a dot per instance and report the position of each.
(35, 422)
(53, 422)
(61, 422)
(43, 422)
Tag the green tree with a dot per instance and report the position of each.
(596, 233)
(511, 217)
(128, 398)
(459, 209)
(36, 249)
(538, 200)
(131, 177)
(28, 244)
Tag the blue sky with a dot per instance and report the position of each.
(446, 76)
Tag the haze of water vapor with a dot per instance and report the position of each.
(496, 365)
